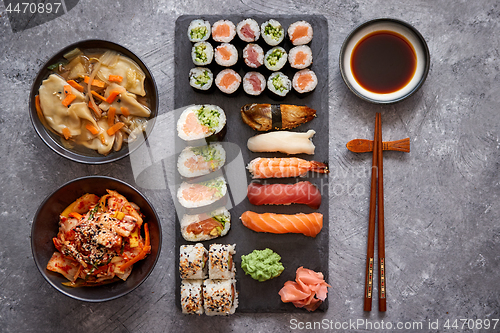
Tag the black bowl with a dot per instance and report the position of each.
(45, 227)
(80, 153)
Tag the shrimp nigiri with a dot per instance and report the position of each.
(283, 167)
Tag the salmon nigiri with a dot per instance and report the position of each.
(307, 224)
(285, 167)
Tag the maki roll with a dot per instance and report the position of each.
(192, 297)
(228, 81)
(254, 83)
(272, 32)
(300, 32)
(200, 78)
(248, 30)
(226, 55)
(202, 160)
(253, 54)
(220, 297)
(201, 194)
(279, 84)
(200, 121)
(220, 262)
(275, 58)
(192, 261)
(198, 30)
(304, 81)
(300, 57)
(223, 31)
(202, 53)
(202, 227)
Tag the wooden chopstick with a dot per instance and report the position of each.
(381, 241)
(371, 223)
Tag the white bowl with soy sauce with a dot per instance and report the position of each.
(384, 61)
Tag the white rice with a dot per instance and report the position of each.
(192, 261)
(309, 86)
(220, 297)
(192, 297)
(272, 32)
(219, 213)
(275, 58)
(233, 86)
(300, 40)
(202, 53)
(208, 115)
(279, 84)
(253, 26)
(198, 30)
(219, 184)
(221, 264)
(260, 55)
(249, 87)
(292, 55)
(201, 78)
(224, 39)
(221, 60)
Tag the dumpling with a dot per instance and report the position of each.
(127, 100)
(133, 76)
(95, 143)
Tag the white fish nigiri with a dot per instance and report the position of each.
(284, 142)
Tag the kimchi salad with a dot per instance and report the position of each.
(99, 240)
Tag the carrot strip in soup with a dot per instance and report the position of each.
(103, 139)
(66, 132)
(125, 111)
(75, 85)
(111, 116)
(68, 99)
(95, 82)
(98, 96)
(75, 215)
(92, 129)
(115, 78)
(115, 128)
(67, 90)
(112, 96)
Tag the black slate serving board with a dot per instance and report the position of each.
(295, 249)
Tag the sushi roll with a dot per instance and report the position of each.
(201, 194)
(201, 121)
(201, 78)
(272, 32)
(192, 261)
(254, 83)
(220, 297)
(220, 262)
(275, 58)
(300, 57)
(253, 54)
(279, 84)
(202, 227)
(228, 81)
(198, 30)
(202, 53)
(248, 30)
(226, 55)
(202, 160)
(192, 297)
(300, 33)
(223, 31)
(304, 81)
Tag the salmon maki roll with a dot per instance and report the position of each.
(226, 55)
(201, 194)
(307, 224)
(200, 121)
(200, 161)
(300, 57)
(283, 167)
(300, 33)
(228, 81)
(223, 31)
(206, 226)
(304, 81)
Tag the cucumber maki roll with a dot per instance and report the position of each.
(198, 30)
(202, 53)
(201, 78)
(275, 58)
(279, 84)
(272, 32)
(200, 122)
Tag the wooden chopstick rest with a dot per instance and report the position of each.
(365, 146)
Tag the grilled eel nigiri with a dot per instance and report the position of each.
(264, 117)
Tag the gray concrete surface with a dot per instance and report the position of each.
(441, 200)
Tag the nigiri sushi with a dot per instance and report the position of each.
(264, 117)
(201, 194)
(284, 194)
(307, 224)
(283, 167)
(202, 160)
(283, 142)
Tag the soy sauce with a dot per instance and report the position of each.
(383, 62)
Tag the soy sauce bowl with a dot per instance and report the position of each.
(399, 28)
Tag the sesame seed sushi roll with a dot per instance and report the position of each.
(220, 297)
(272, 32)
(226, 55)
(200, 161)
(206, 226)
(198, 30)
(228, 81)
(202, 53)
(275, 58)
(201, 78)
(253, 55)
(300, 57)
(300, 33)
(248, 30)
(192, 297)
(200, 122)
(220, 261)
(254, 83)
(201, 194)
(279, 84)
(223, 31)
(193, 261)
(304, 81)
